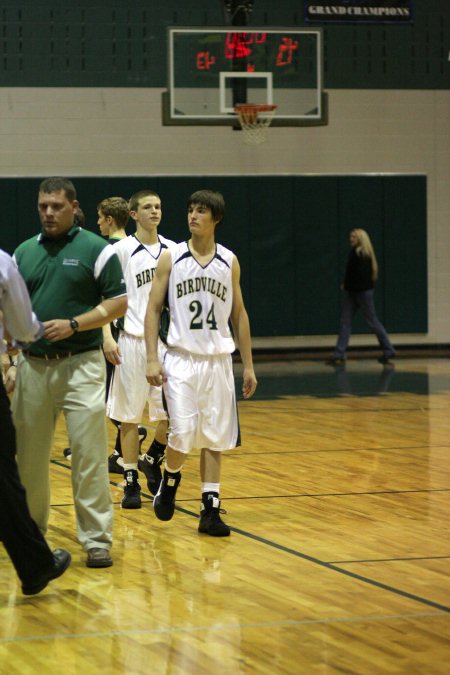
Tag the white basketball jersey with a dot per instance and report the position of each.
(200, 301)
(139, 263)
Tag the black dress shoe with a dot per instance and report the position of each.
(335, 362)
(62, 560)
(386, 360)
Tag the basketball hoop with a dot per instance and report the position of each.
(255, 118)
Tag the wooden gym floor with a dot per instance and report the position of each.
(338, 561)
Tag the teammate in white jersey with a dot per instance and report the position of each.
(201, 281)
(113, 216)
(129, 391)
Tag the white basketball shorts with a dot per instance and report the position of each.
(201, 401)
(129, 390)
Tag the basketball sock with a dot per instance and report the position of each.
(211, 487)
(131, 466)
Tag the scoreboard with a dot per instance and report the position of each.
(210, 70)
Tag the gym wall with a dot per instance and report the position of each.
(291, 237)
(96, 117)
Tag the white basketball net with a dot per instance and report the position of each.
(255, 120)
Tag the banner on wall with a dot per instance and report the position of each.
(359, 11)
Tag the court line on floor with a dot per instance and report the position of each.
(238, 453)
(313, 495)
(339, 494)
(171, 630)
(312, 559)
(330, 566)
(347, 409)
(377, 560)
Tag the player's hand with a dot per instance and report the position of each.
(10, 379)
(57, 329)
(154, 373)
(111, 351)
(249, 383)
(11, 350)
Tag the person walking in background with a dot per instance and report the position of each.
(76, 286)
(33, 560)
(361, 274)
(201, 280)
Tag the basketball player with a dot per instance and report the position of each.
(139, 254)
(113, 215)
(201, 281)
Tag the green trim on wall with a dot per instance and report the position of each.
(290, 234)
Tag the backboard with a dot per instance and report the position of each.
(210, 70)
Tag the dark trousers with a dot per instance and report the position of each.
(363, 301)
(19, 533)
(109, 375)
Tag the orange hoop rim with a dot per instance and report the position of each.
(255, 107)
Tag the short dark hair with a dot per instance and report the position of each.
(211, 200)
(56, 183)
(117, 208)
(134, 199)
(80, 218)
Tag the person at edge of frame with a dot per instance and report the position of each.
(35, 564)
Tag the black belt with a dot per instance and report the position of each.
(59, 355)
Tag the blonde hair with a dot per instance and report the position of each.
(364, 247)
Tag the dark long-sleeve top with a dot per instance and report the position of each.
(358, 273)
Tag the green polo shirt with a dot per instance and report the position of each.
(66, 277)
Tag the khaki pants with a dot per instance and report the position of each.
(76, 386)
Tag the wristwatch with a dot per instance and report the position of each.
(74, 325)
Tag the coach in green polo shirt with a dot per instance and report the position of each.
(76, 285)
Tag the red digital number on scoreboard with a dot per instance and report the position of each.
(285, 51)
(237, 45)
(240, 46)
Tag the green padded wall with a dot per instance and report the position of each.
(404, 211)
(118, 43)
(290, 234)
(317, 252)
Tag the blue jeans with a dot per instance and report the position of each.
(362, 300)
